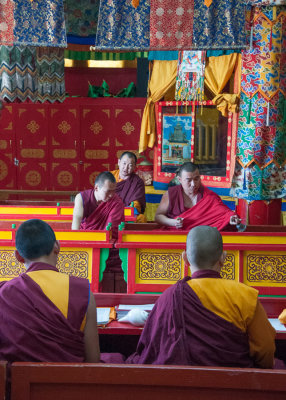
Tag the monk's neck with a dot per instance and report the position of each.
(190, 201)
(97, 201)
(123, 178)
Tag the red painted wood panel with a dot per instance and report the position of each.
(64, 128)
(32, 137)
(7, 148)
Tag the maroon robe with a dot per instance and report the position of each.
(97, 216)
(209, 209)
(181, 331)
(32, 328)
(132, 189)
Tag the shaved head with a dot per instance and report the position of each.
(204, 247)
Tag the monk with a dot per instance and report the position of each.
(191, 204)
(46, 315)
(206, 320)
(130, 187)
(95, 208)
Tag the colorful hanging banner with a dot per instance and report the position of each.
(260, 173)
(190, 76)
(171, 24)
(35, 23)
(123, 27)
(81, 17)
(195, 24)
(28, 72)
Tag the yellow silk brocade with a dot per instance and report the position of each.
(227, 299)
(217, 73)
(163, 79)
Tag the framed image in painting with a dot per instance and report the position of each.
(176, 140)
(195, 131)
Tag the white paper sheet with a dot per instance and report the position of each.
(277, 324)
(102, 315)
(146, 307)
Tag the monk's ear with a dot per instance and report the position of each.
(57, 247)
(222, 258)
(19, 257)
(185, 258)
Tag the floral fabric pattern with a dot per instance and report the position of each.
(253, 183)
(123, 27)
(171, 24)
(261, 138)
(195, 24)
(37, 23)
(219, 26)
(81, 17)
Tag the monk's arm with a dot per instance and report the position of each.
(261, 338)
(162, 210)
(91, 341)
(77, 212)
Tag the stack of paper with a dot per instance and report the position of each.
(103, 315)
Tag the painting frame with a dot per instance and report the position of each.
(164, 176)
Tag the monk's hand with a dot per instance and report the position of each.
(234, 220)
(179, 222)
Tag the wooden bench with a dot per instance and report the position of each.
(2, 379)
(50, 381)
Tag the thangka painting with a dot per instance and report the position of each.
(176, 141)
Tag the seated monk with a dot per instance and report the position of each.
(191, 204)
(46, 315)
(130, 187)
(95, 208)
(206, 320)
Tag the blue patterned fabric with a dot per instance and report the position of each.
(219, 26)
(39, 23)
(252, 183)
(81, 18)
(123, 27)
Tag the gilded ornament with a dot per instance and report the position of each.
(65, 178)
(32, 126)
(33, 178)
(3, 170)
(138, 111)
(266, 268)
(64, 127)
(117, 112)
(160, 266)
(9, 265)
(107, 112)
(32, 153)
(73, 263)
(3, 144)
(96, 154)
(228, 269)
(117, 143)
(96, 127)
(128, 128)
(66, 153)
